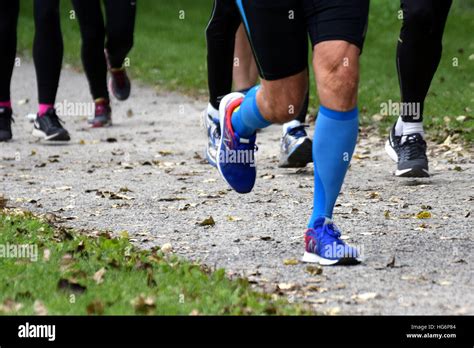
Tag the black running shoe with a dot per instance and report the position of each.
(49, 127)
(410, 155)
(6, 120)
(392, 146)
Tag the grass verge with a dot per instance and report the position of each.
(77, 274)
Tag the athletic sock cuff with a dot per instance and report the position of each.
(339, 115)
(262, 122)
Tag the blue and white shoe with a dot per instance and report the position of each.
(324, 246)
(236, 155)
(210, 121)
(296, 149)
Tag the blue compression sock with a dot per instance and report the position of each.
(247, 119)
(335, 137)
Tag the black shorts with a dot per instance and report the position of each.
(278, 30)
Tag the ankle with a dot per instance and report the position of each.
(44, 108)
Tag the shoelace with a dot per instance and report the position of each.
(412, 148)
(53, 120)
(332, 230)
(299, 131)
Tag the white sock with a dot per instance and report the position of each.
(412, 128)
(213, 112)
(290, 125)
(404, 129)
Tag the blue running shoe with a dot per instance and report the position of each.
(324, 246)
(236, 155)
(296, 149)
(213, 134)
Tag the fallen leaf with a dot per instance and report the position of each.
(233, 218)
(423, 215)
(364, 297)
(333, 311)
(268, 176)
(377, 117)
(39, 308)
(290, 262)
(194, 313)
(95, 307)
(165, 153)
(10, 306)
(99, 276)
(144, 305)
(445, 283)
(3, 202)
(286, 286)
(314, 270)
(207, 222)
(167, 248)
(171, 199)
(373, 195)
(46, 255)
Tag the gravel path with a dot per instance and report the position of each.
(146, 176)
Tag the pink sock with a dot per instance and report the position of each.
(43, 108)
(6, 104)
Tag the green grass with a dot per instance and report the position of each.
(173, 286)
(170, 54)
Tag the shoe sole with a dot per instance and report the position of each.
(300, 157)
(391, 152)
(222, 112)
(42, 135)
(103, 125)
(415, 172)
(313, 258)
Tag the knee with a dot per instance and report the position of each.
(340, 79)
(284, 107)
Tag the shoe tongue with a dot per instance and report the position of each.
(328, 221)
(288, 127)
